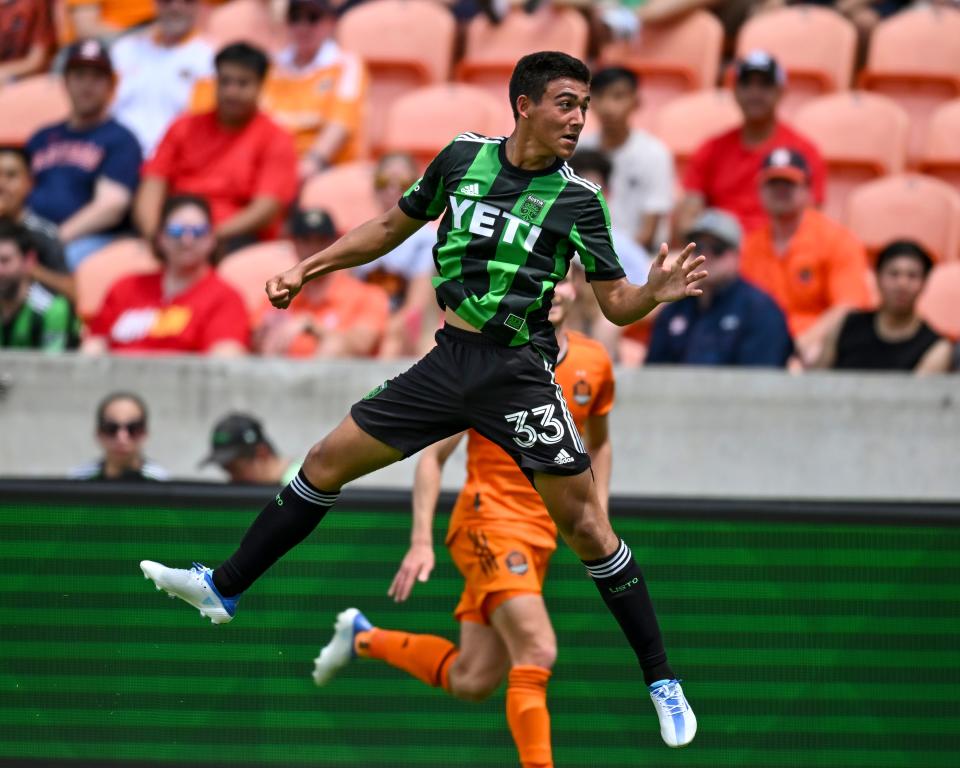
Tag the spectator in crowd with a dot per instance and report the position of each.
(731, 13)
(50, 269)
(183, 306)
(406, 272)
(642, 183)
(121, 433)
(723, 172)
(157, 69)
(336, 315)
(732, 323)
(106, 19)
(30, 316)
(86, 168)
(239, 446)
(892, 337)
(813, 267)
(26, 38)
(234, 156)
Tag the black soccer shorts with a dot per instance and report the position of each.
(508, 394)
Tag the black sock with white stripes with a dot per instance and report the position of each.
(621, 584)
(286, 521)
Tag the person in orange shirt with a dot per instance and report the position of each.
(501, 539)
(338, 315)
(812, 267)
(108, 18)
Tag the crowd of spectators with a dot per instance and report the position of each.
(203, 152)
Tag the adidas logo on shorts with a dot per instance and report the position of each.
(470, 189)
(563, 457)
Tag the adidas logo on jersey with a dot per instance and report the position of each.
(563, 457)
(470, 189)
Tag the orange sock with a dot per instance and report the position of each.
(426, 657)
(527, 715)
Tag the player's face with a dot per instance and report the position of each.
(557, 120)
(89, 90)
(187, 240)
(614, 104)
(122, 431)
(757, 97)
(900, 283)
(238, 90)
(781, 196)
(14, 184)
(563, 297)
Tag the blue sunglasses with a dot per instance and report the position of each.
(179, 231)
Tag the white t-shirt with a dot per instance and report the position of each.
(156, 83)
(412, 258)
(642, 181)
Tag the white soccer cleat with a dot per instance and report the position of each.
(339, 651)
(194, 586)
(678, 724)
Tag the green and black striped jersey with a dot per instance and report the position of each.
(507, 237)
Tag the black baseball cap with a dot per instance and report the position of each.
(760, 62)
(89, 53)
(319, 7)
(235, 436)
(312, 222)
(785, 163)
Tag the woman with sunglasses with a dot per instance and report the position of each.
(121, 433)
(183, 307)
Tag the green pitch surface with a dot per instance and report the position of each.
(801, 644)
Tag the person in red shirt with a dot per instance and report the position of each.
(234, 156)
(182, 307)
(26, 38)
(723, 172)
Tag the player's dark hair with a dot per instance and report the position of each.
(170, 206)
(19, 235)
(120, 395)
(244, 55)
(536, 71)
(592, 161)
(908, 248)
(610, 75)
(17, 151)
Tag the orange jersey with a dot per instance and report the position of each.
(497, 495)
(120, 14)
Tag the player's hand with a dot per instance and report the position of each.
(283, 287)
(680, 279)
(416, 566)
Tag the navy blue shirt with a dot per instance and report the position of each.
(741, 326)
(67, 163)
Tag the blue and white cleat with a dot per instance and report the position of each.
(678, 724)
(195, 587)
(339, 651)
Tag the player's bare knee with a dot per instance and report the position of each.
(589, 537)
(537, 652)
(320, 468)
(474, 685)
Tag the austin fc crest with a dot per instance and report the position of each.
(531, 207)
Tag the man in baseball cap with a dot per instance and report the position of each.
(239, 446)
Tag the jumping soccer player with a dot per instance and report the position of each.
(513, 216)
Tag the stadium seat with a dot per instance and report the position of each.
(860, 135)
(425, 121)
(405, 44)
(688, 121)
(671, 59)
(941, 151)
(248, 269)
(914, 58)
(907, 206)
(816, 46)
(491, 51)
(249, 21)
(97, 273)
(938, 303)
(30, 104)
(345, 192)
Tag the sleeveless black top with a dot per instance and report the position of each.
(860, 348)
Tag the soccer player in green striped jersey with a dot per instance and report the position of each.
(513, 216)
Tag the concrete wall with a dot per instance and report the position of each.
(695, 432)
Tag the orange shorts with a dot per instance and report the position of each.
(496, 568)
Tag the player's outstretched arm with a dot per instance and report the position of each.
(623, 303)
(369, 241)
(419, 560)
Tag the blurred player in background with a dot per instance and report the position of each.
(501, 538)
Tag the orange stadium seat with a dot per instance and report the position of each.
(860, 135)
(941, 151)
(938, 303)
(816, 46)
(248, 269)
(425, 121)
(688, 121)
(914, 58)
(30, 104)
(98, 272)
(907, 206)
(405, 44)
(345, 192)
(671, 59)
(249, 21)
(491, 51)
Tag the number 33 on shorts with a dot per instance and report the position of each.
(553, 430)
